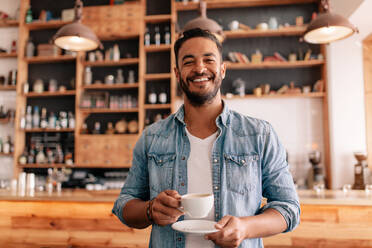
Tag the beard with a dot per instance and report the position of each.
(199, 99)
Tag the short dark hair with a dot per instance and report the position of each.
(193, 33)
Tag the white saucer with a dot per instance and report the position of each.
(195, 226)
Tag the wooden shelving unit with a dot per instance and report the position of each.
(128, 61)
(157, 76)
(157, 106)
(39, 25)
(9, 23)
(285, 31)
(107, 110)
(48, 130)
(8, 55)
(111, 87)
(158, 48)
(51, 94)
(273, 65)
(50, 59)
(270, 96)
(44, 166)
(157, 18)
(7, 87)
(6, 154)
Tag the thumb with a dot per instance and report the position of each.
(222, 223)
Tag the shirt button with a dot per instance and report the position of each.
(183, 158)
(216, 215)
(182, 184)
(215, 160)
(216, 187)
(179, 239)
(243, 161)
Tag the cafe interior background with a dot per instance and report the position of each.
(98, 102)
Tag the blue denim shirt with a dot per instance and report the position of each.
(248, 163)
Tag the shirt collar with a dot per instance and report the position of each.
(222, 118)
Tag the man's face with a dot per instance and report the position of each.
(200, 70)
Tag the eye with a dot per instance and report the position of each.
(187, 62)
(209, 60)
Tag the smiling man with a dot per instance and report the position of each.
(207, 148)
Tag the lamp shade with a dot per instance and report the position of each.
(205, 23)
(328, 27)
(76, 37)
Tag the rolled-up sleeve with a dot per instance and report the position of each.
(137, 183)
(277, 181)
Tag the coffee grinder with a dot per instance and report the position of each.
(360, 170)
(315, 175)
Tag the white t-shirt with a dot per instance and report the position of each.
(199, 179)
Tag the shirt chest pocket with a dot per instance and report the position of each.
(241, 172)
(160, 172)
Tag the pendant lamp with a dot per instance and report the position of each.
(205, 23)
(328, 27)
(76, 36)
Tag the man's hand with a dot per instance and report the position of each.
(165, 208)
(232, 232)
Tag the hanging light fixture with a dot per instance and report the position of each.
(328, 27)
(205, 23)
(76, 36)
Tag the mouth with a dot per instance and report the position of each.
(200, 80)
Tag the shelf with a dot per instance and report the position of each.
(50, 59)
(7, 87)
(157, 106)
(4, 120)
(129, 61)
(118, 37)
(51, 94)
(8, 55)
(38, 25)
(48, 130)
(285, 31)
(218, 4)
(44, 165)
(157, 18)
(9, 23)
(109, 87)
(158, 48)
(273, 65)
(296, 95)
(157, 76)
(107, 110)
(128, 135)
(6, 154)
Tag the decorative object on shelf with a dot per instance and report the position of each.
(133, 126)
(116, 53)
(68, 15)
(119, 77)
(30, 48)
(262, 26)
(12, 79)
(265, 88)
(76, 36)
(109, 79)
(319, 86)
(306, 89)
(292, 89)
(157, 37)
(71, 120)
(152, 97)
(48, 50)
(360, 170)
(97, 128)
(315, 175)
(99, 56)
(121, 126)
(131, 77)
(53, 85)
(257, 91)
(282, 90)
(147, 37)
(162, 97)
(38, 86)
(29, 17)
(299, 21)
(307, 55)
(91, 57)
(205, 23)
(273, 23)
(328, 27)
(234, 25)
(110, 128)
(292, 57)
(88, 76)
(167, 35)
(257, 57)
(239, 87)
(13, 47)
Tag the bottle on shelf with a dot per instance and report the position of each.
(50, 156)
(29, 117)
(31, 154)
(30, 48)
(63, 119)
(84, 129)
(71, 120)
(157, 36)
(52, 120)
(147, 37)
(119, 77)
(59, 154)
(13, 48)
(116, 53)
(36, 118)
(110, 128)
(26, 87)
(29, 17)
(88, 76)
(97, 128)
(40, 156)
(43, 119)
(152, 98)
(162, 97)
(23, 158)
(131, 78)
(7, 145)
(167, 36)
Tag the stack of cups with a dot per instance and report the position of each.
(30, 184)
(22, 184)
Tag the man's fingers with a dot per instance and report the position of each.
(170, 198)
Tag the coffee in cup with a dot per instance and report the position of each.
(197, 205)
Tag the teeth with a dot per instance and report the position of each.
(200, 79)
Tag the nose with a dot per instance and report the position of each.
(199, 67)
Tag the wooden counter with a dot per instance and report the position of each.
(84, 219)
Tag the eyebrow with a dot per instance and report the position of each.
(204, 55)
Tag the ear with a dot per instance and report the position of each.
(223, 70)
(177, 73)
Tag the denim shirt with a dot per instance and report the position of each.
(248, 163)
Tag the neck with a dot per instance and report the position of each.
(201, 121)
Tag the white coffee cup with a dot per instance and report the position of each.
(197, 205)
